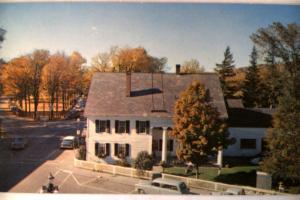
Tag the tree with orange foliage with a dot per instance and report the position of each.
(72, 77)
(16, 75)
(127, 59)
(198, 128)
(136, 60)
(52, 76)
(39, 58)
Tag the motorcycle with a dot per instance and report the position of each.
(50, 187)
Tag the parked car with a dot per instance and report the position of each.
(68, 142)
(231, 191)
(162, 186)
(72, 114)
(19, 142)
(255, 161)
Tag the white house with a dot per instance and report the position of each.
(249, 128)
(132, 112)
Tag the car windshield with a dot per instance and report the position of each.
(67, 142)
(18, 140)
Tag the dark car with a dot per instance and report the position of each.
(19, 143)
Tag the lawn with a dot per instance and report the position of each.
(239, 175)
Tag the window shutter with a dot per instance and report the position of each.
(117, 126)
(127, 150)
(147, 127)
(127, 126)
(97, 126)
(96, 148)
(116, 149)
(108, 126)
(137, 126)
(107, 149)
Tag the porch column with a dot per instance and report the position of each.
(220, 158)
(150, 141)
(164, 145)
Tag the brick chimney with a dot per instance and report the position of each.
(128, 84)
(177, 68)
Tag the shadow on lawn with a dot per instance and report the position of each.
(239, 178)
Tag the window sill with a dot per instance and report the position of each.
(102, 132)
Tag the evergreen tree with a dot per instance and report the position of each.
(283, 158)
(198, 128)
(251, 83)
(273, 82)
(225, 70)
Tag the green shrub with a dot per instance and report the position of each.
(144, 161)
(123, 162)
(81, 153)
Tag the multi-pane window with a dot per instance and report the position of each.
(102, 149)
(122, 126)
(121, 150)
(248, 143)
(142, 126)
(102, 126)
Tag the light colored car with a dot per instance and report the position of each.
(231, 191)
(19, 142)
(68, 142)
(162, 186)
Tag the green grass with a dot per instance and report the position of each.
(240, 175)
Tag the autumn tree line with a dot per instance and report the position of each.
(58, 77)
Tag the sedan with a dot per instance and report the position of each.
(19, 143)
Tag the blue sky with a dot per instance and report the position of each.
(176, 31)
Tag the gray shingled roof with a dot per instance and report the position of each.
(107, 94)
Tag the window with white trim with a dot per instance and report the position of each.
(142, 126)
(122, 126)
(102, 126)
(102, 149)
(121, 150)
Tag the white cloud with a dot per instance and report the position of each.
(94, 28)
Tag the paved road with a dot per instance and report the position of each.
(27, 170)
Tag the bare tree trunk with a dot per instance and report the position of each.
(56, 101)
(197, 171)
(51, 106)
(21, 102)
(29, 102)
(63, 100)
(25, 98)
